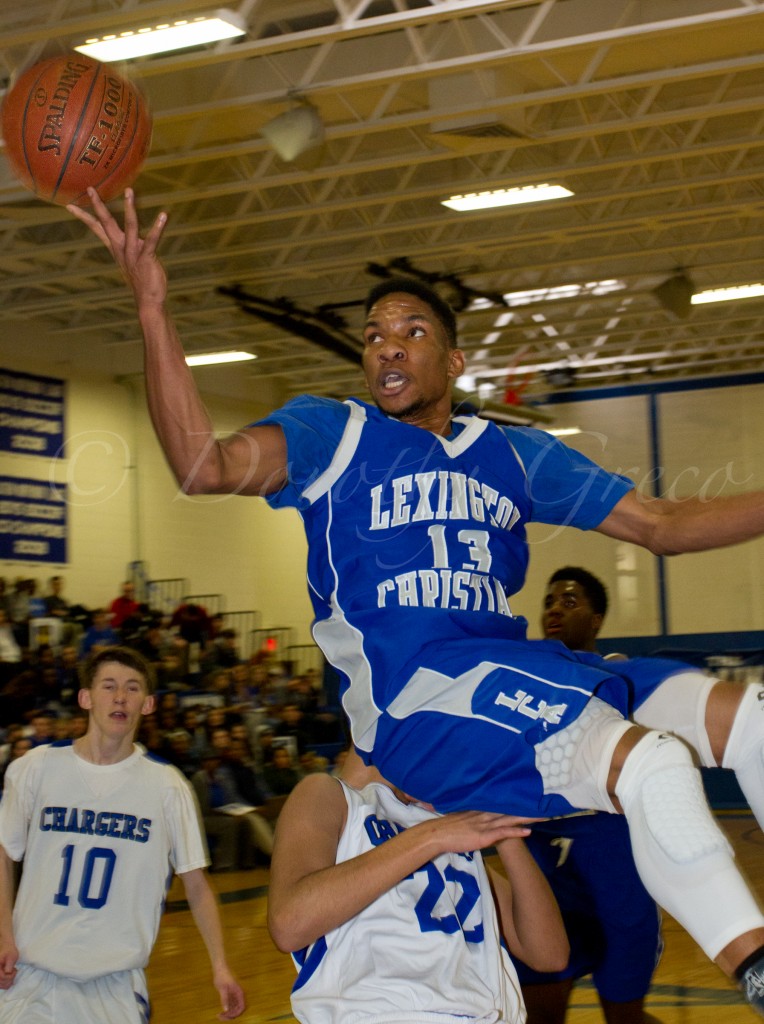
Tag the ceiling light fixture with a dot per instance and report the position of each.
(176, 35)
(295, 131)
(740, 291)
(212, 358)
(506, 197)
(563, 291)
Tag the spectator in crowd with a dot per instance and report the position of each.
(223, 652)
(218, 795)
(10, 650)
(279, 773)
(19, 746)
(56, 605)
(42, 729)
(298, 725)
(99, 635)
(125, 606)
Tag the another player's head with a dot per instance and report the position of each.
(575, 605)
(124, 656)
(117, 691)
(410, 357)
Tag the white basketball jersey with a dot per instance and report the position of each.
(427, 950)
(99, 843)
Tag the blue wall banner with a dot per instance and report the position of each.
(33, 523)
(31, 414)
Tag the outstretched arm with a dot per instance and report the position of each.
(251, 461)
(9, 954)
(204, 908)
(528, 913)
(671, 527)
(310, 894)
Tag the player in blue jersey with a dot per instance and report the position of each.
(388, 910)
(612, 922)
(101, 826)
(415, 521)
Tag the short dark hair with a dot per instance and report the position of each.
(413, 286)
(594, 588)
(122, 656)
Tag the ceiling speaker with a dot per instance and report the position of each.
(675, 295)
(294, 131)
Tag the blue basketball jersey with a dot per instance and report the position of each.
(416, 543)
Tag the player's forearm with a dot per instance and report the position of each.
(301, 911)
(180, 419)
(528, 911)
(249, 462)
(670, 527)
(7, 941)
(206, 914)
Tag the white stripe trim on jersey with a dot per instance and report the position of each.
(342, 643)
(430, 690)
(342, 456)
(473, 429)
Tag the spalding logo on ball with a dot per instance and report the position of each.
(70, 122)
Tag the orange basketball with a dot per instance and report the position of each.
(69, 122)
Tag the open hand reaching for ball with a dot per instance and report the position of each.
(135, 255)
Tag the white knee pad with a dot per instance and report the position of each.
(678, 705)
(575, 761)
(745, 748)
(683, 858)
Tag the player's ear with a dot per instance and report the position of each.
(597, 623)
(455, 363)
(149, 704)
(84, 699)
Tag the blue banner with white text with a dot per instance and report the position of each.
(31, 414)
(33, 521)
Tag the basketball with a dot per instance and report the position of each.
(69, 122)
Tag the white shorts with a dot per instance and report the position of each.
(39, 997)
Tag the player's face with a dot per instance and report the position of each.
(407, 362)
(568, 616)
(117, 699)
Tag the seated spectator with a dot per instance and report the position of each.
(42, 729)
(56, 605)
(224, 832)
(10, 650)
(19, 746)
(125, 606)
(99, 635)
(178, 751)
(298, 725)
(192, 623)
(218, 682)
(68, 675)
(167, 654)
(279, 773)
(191, 721)
(218, 796)
(223, 652)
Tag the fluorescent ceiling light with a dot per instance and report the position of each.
(506, 197)
(741, 291)
(176, 35)
(563, 291)
(211, 358)
(563, 431)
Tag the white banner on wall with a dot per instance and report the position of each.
(31, 414)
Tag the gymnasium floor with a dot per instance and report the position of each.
(687, 989)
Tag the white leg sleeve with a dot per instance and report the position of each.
(745, 748)
(678, 705)
(683, 858)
